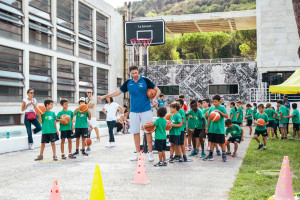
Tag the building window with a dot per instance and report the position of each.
(169, 90)
(39, 38)
(119, 82)
(43, 5)
(10, 93)
(6, 120)
(13, 3)
(102, 82)
(85, 50)
(65, 43)
(85, 79)
(11, 59)
(85, 20)
(65, 12)
(102, 41)
(40, 64)
(224, 89)
(65, 80)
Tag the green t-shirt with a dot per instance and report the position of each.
(219, 126)
(270, 113)
(233, 112)
(48, 125)
(254, 112)
(249, 112)
(285, 112)
(296, 119)
(191, 121)
(235, 131)
(160, 131)
(81, 119)
(176, 119)
(205, 111)
(265, 118)
(199, 117)
(277, 116)
(183, 114)
(68, 126)
(240, 119)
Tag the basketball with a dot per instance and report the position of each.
(168, 116)
(150, 129)
(83, 108)
(167, 127)
(260, 122)
(225, 143)
(67, 117)
(88, 142)
(151, 93)
(40, 109)
(214, 116)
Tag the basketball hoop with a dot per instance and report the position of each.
(141, 42)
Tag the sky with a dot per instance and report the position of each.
(117, 3)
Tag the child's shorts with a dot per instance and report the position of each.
(249, 122)
(262, 133)
(160, 145)
(234, 139)
(52, 137)
(182, 137)
(81, 132)
(238, 123)
(66, 134)
(270, 124)
(216, 138)
(197, 133)
(282, 125)
(296, 127)
(175, 139)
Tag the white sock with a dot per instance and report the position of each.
(151, 153)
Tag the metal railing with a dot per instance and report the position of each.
(263, 95)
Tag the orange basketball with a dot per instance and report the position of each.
(40, 109)
(67, 117)
(88, 142)
(83, 108)
(214, 116)
(168, 116)
(151, 93)
(150, 129)
(167, 127)
(225, 143)
(260, 122)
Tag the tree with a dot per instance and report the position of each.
(166, 51)
(217, 41)
(248, 40)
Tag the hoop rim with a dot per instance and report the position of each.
(141, 39)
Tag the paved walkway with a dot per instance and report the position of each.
(22, 178)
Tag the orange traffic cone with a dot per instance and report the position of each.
(140, 175)
(55, 194)
(284, 188)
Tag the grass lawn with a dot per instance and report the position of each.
(250, 185)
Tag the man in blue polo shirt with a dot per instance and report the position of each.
(140, 108)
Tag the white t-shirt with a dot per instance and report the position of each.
(31, 107)
(111, 110)
(92, 100)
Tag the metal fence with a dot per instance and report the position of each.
(263, 95)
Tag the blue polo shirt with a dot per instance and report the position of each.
(138, 93)
(160, 103)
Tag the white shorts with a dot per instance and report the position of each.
(136, 119)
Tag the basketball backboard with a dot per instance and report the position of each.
(153, 29)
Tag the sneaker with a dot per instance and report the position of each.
(272, 138)
(202, 155)
(208, 158)
(88, 149)
(260, 146)
(218, 152)
(186, 148)
(84, 153)
(265, 148)
(181, 160)
(194, 152)
(292, 138)
(159, 164)
(63, 157)
(228, 153)
(224, 158)
(135, 157)
(112, 144)
(171, 160)
(97, 140)
(76, 153)
(288, 134)
(234, 155)
(119, 133)
(109, 145)
(55, 158)
(151, 158)
(31, 146)
(267, 138)
(39, 158)
(71, 156)
(177, 157)
(165, 163)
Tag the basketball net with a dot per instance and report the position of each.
(141, 43)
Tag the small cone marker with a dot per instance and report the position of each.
(97, 192)
(55, 194)
(284, 188)
(140, 175)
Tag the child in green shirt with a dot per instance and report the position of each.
(49, 130)
(276, 121)
(248, 117)
(271, 115)
(261, 130)
(81, 127)
(254, 110)
(236, 136)
(239, 114)
(283, 121)
(175, 132)
(183, 131)
(216, 130)
(296, 121)
(233, 112)
(190, 130)
(160, 135)
(66, 130)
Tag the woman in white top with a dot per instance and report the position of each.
(111, 110)
(28, 106)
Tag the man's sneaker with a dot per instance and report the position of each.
(260, 146)
(194, 152)
(265, 148)
(108, 145)
(224, 158)
(55, 158)
(112, 144)
(151, 158)
(234, 155)
(228, 153)
(84, 153)
(171, 160)
(88, 149)
(39, 158)
(208, 158)
(135, 157)
(159, 164)
(165, 163)
(71, 156)
(63, 157)
(31, 146)
(76, 153)
(202, 155)
(218, 152)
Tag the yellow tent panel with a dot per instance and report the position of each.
(290, 86)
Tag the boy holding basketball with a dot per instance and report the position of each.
(271, 115)
(261, 128)
(66, 128)
(216, 129)
(236, 135)
(183, 130)
(81, 126)
(175, 132)
(160, 135)
(49, 130)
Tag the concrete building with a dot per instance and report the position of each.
(58, 48)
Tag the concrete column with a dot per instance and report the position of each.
(25, 29)
(94, 33)
(95, 80)
(76, 29)
(54, 77)
(76, 75)
(25, 71)
(53, 17)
